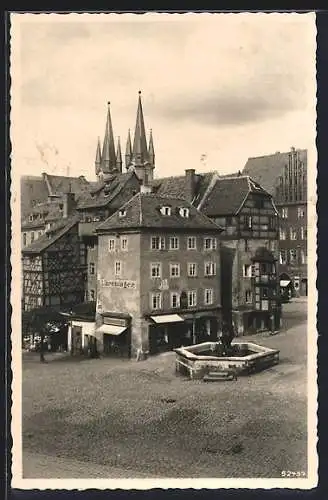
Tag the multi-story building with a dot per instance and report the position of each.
(158, 276)
(249, 252)
(44, 202)
(54, 268)
(284, 175)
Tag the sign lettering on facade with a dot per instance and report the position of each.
(119, 284)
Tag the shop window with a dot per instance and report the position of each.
(192, 245)
(210, 269)
(155, 270)
(174, 270)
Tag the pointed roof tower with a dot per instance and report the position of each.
(128, 151)
(118, 156)
(139, 151)
(151, 151)
(98, 157)
(108, 156)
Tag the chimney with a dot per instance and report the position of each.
(69, 204)
(190, 184)
(145, 189)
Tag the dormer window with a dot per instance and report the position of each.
(122, 213)
(166, 210)
(184, 212)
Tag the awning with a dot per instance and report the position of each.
(167, 318)
(111, 329)
(284, 283)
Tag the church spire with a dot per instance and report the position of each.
(128, 151)
(118, 156)
(151, 152)
(139, 151)
(108, 156)
(98, 157)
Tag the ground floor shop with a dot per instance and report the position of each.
(252, 321)
(168, 332)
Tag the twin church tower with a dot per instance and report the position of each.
(140, 157)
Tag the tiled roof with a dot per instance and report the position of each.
(177, 186)
(104, 193)
(228, 195)
(266, 170)
(33, 190)
(61, 184)
(50, 211)
(143, 211)
(57, 232)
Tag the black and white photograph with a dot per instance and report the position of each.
(163, 250)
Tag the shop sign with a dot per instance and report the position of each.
(118, 283)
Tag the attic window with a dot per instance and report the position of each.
(184, 212)
(30, 218)
(122, 213)
(165, 210)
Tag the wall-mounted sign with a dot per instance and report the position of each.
(119, 284)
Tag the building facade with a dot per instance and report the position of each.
(285, 176)
(249, 252)
(54, 268)
(158, 276)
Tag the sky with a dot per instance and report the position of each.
(216, 88)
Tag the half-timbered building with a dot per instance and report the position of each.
(54, 268)
(249, 252)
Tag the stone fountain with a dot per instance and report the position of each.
(224, 357)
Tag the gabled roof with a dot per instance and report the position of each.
(143, 211)
(228, 195)
(33, 190)
(42, 243)
(178, 186)
(59, 184)
(104, 192)
(267, 169)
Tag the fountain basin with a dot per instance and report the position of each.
(196, 362)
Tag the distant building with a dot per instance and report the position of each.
(158, 276)
(284, 175)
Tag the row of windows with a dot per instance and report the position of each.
(293, 233)
(192, 269)
(159, 243)
(293, 256)
(300, 213)
(258, 269)
(156, 299)
(156, 269)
